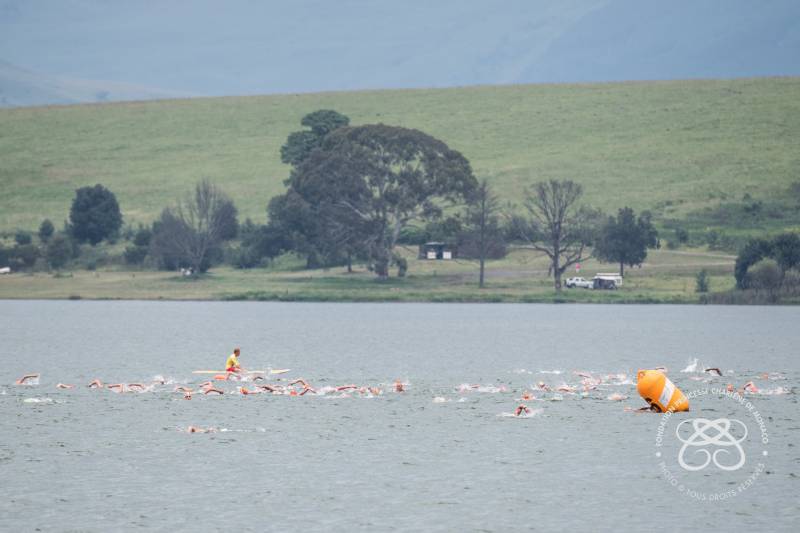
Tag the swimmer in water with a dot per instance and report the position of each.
(750, 387)
(116, 387)
(64, 386)
(96, 384)
(522, 408)
(306, 387)
(195, 429)
(209, 390)
(527, 396)
(543, 386)
(398, 386)
(714, 370)
(26, 377)
(136, 386)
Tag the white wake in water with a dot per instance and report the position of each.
(693, 365)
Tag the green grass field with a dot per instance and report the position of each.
(672, 147)
(666, 277)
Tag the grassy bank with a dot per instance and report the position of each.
(667, 277)
(672, 147)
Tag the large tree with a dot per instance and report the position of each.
(625, 239)
(300, 144)
(556, 225)
(369, 182)
(188, 234)
(94, 214)
(304, 227)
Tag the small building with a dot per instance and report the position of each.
(437, 250)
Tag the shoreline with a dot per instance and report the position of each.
(668, 277)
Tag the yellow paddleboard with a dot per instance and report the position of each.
(281, 371)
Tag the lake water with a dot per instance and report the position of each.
(442, 456)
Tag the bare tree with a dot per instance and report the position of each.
(482, 238)
(187, 234)
(556, 225)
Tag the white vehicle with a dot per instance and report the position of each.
(579, 282)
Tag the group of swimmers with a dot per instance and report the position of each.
(301, 387)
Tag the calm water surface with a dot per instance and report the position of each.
(443, 456)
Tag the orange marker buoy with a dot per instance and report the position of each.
(221, 377)
(660, 392)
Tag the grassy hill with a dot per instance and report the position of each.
(673, 147)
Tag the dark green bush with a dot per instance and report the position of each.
(23, 256)
(59, 251)
(135, 255)
(94, 214)
(143, 237)
(46, 230)
(22, 238)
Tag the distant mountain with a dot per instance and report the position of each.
(19, 87)
(211, 47)
(651, 40)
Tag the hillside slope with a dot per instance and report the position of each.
(672, 147)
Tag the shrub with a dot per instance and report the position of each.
(681, 235)
(23, 256)
(143, 237)
(712, 238)
(46, 230)
(22, 238)
(59, 251)
(135, 255)
(701, 281)
(94, 214)
(244, 257)
(764, 275)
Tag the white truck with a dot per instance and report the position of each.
(579, 282)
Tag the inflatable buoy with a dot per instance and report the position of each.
(660, 392)
(221, 377)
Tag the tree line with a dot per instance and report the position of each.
(354, 193)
